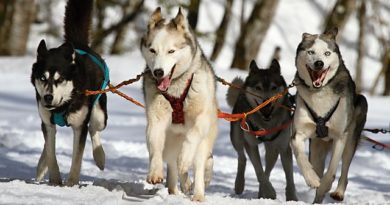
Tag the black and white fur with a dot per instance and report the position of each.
(323, 80)
(60, 77)
(265, 83)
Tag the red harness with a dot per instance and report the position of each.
(177, 103)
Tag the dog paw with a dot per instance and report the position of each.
(198, 198)
(55, 181)
(155, 179)
(266, 191)
(99, 157)
(337, 196)
(312, 179)
(239, 186)
(186, 187)
(173, 191)
(72, 182)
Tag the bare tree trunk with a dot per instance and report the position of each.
(386, 70)
(275, 55)
(222, 30)
(193, 12)
(253, 33)
(16, 17)
(361, 46)
(339, 15)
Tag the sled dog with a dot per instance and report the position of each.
(260, 85)
(181, 106)
(329, 112)
(60, 77)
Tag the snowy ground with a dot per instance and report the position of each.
(123, 180)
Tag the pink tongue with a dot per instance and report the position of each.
(164, 84)
(319, 76)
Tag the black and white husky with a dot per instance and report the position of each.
(260, 85)
(60, 77)
(329, 112)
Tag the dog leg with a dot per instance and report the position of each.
(80, 136)
(265, 187)
(287, 163)
(298, 145)
(50, 141)
(237, 139)
(327, 180)
(348, 154)
(271, 155)
(208, 171)
(96, 124)
(42, 163)
(317, 155)
(172, 178)
(201, 158)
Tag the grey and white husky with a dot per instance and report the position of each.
(60, 76)
(181, 105)
(260, 85)
(329, 112)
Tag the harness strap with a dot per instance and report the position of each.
(177, 104)
(59, 118)
(321, 128)
(263, 134)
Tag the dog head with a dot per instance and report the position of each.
(318, 58)
(52, 75)
(168, 47)
(264, 83)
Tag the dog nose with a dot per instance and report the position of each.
(318, 64)
(158, 73)
(48, 98)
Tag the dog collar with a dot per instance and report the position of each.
(321, 128)
(177, 103)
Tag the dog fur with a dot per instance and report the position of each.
(324, 83)
(265, 83)
(60, 77)
(173, 55)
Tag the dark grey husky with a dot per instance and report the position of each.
(260, 85)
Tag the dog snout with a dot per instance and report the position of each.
(318, 65)
(48, 98)
(158, 73)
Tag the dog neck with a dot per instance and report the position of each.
(321, 128)
(177, 103)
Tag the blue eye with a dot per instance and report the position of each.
(327, 53)
(42, 78)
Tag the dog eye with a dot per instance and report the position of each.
(310, 52)
(152, 51)
(42, 78)
(171, 51)
(327, 53)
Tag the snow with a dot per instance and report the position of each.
(123, 180)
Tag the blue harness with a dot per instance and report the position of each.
(59, 117)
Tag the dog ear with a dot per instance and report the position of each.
(180, 21)
(253, 66)
(154, 18)
(332, 33)
(307, 36)
(42, 50)
(275, 66)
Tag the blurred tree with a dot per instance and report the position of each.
(222, 30)
(386, 70)
(339, 15)
(361, 47)
(102, 32)
(16, 17)
(253, 33)
(193, 12)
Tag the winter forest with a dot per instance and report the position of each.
(231, 34)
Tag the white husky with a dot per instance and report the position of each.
(181, 106)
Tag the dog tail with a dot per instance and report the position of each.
(78, 17)
(232, 93)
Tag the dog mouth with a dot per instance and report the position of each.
(164, 83)
(266, 111)
(317, 76)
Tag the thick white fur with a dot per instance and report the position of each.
(191, 144)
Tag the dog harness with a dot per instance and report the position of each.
(321, 128)
(58, 118)
(177, 103)
(262, 134)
